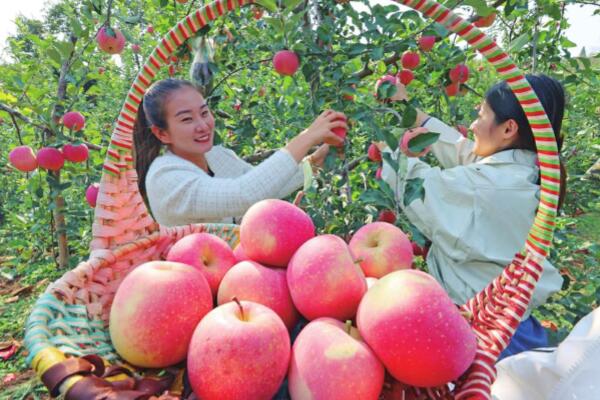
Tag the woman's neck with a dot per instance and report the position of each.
(197, 159)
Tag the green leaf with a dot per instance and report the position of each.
(480, 6)
(413, 190)
(409, 117)
(54, 55)
(377, 53)
(268, 4)
(308, 175)
(387, 157)
(377, 198)
(422, 141)
(290, 4)
(518, 43)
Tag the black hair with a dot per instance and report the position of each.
(152, 112)
(503, 102)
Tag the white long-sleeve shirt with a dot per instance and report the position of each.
(569, 372)
(477, 212)
(180, 192)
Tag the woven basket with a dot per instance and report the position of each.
(71, 317)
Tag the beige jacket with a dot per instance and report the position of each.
(477, 212)
(180, 192)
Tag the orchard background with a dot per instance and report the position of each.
(54, 65)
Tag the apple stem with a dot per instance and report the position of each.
(467, 315)
(240, 306)
(348, 326)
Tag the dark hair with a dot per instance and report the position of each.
(152, 112)
(505, 106)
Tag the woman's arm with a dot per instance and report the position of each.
(179, 193)
(452, 148)
(447, 211)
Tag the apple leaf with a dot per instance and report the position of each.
(409, 117)
(377, 198)
(268, 4)
(291, 4)
(481, 7)
(386, 90)
(519, 42)
(391, 162)
(308, 175)
(54, 55)
(420, 142)
(413, 190)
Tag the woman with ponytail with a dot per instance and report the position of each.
(188, 180)
(479, 207)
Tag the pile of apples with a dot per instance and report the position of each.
(231, 312)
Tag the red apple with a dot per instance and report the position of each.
(91, 194)
(410, 60)
(110, 41)
(23, 158)
(286, 62)
(172, 70)
(484, 22)
(174, 58)
(374, 153)
(426, 42)
(324, 279)
(150, 29)
(415, 329)
(238, 351)
(208, 253)
(406, 76)
(248, 280)
(331, 361)
(182, 1)
(408, 135)
(75, 153)
(239, 253)
(463, 130)
(257, 13)
(50, 158)
(73, 120)
(452, 89)
(388, 216)
(459, 73)
(272, 230)
(135, 48)
(101, 70)
(339, 131)
(349, 96)
(381, 248)
(155, 311)
(417, 250)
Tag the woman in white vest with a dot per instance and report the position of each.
(479, 206)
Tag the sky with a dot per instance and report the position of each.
(581, 31)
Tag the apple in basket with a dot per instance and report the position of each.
(155, 311)
(248, 280)
(239, 253)
(272, 230)
(324, 279)
(240, 350)
(381, 248)
(331, 361)
(415, 329)
(208, 253)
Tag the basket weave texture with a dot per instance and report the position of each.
(71, 317)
